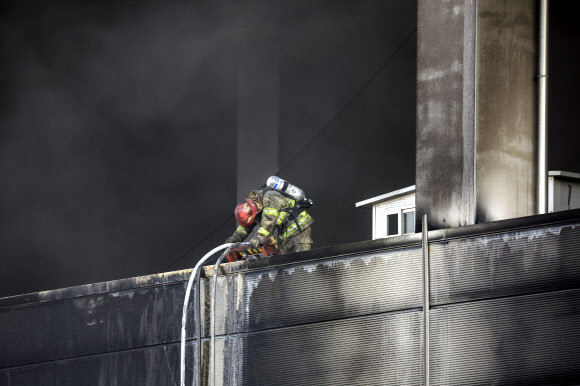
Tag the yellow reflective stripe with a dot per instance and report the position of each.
(271, 211)
(241, 230)
(303, 218)
(289, 204)
(289, 232)
(281, 218)
(264, 232)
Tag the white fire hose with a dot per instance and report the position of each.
(197, 311)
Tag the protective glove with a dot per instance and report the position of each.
(231, 240)
(254, 243)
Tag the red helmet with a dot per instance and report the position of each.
(246, 212)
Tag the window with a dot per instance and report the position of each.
(394, 217)
(392, 224)
(397, 222)
(408, 221)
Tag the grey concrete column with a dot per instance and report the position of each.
(257, 150)
(476, 121)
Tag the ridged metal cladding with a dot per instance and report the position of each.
(506, 264)
(90, 325)
(506, 311)
(312, 316)
(287, 316)
(523, 340)
(318, 291)
(370, 350)
(158, 365)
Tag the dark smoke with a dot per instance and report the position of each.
(115, 135)
(118, 126)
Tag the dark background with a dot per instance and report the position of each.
(118, 125)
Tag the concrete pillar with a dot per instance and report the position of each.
(257, 150)
(476, 141)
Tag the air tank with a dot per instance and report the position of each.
(284, 186)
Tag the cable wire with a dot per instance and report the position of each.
(197, 310)
(199, 242)
(351, 100)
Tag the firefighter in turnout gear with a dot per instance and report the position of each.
(270, 210)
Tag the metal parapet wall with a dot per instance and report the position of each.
(505, 309)
(124, 332)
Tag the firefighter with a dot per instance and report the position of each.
(271, 209)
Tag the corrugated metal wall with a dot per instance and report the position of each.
(505, 309)
(100, 337)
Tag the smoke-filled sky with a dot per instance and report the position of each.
(119, 119)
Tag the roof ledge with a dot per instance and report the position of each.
(394, 194)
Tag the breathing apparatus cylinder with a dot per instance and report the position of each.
(284, 186)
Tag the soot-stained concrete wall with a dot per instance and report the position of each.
(475, 111)
(445, 113)
(506, 104)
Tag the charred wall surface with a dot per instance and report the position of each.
(505, 133)
(445, 146)
(505, 309)
(476, 101)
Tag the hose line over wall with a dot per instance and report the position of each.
(212, 317)
(195, 277)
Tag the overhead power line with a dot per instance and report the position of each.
(350, 101)
(199, 243)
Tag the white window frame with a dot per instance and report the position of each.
(407, 210)
(399, 212)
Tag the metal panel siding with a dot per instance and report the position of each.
(91, 324)
(151, 366)
(4, 378)
(312, 292)
(403, 202)
(42, 375)
(507, 312)
(131, 283)
(506, 264)
(376, 350)
(524, 340)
